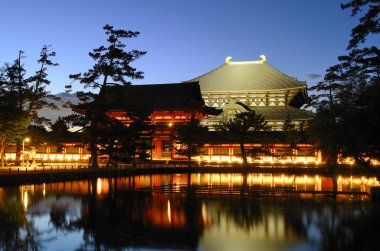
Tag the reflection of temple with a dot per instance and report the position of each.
(104, 186)
(122, 212)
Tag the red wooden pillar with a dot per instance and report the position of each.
(158, 147)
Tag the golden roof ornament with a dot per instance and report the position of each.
(263, 58)
(228, 59)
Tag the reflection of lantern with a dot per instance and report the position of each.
(98, 186)
(169, 213)
(25, 199)
(204, 213)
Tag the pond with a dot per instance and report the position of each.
(128, 213)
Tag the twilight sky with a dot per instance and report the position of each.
(183, 38)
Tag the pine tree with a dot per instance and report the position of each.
(23, 96)
(112, 63)
(242, 127)
(347, 102)
(191, 137)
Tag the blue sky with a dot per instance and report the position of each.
(183, 38)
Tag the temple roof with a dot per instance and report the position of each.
(270, 113)
(177, 96)
(282, 113)
(246, 76)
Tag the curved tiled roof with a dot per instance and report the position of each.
(246, 76)
(155, 97)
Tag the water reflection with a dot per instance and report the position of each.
(123, 214)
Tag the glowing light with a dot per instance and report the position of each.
(204, 212)
(25, 199)
(169, 213)
(98, 186)
(170, 124)
(263, 58)
(44, 190)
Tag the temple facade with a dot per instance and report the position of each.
(217, 96)
(169, 105)
(238, 86)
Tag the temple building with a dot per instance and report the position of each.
(216, 96)
(169, 104)
(237, 86)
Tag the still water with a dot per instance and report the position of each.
(124, 214)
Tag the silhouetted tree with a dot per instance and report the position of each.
(125, 142)
(112, 63)
(22, 97)
(191, 137)
(242, 127)
(347, 102)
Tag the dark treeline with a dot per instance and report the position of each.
(347, 101)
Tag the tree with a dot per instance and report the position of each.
(59, 133)
(292, 135)
(369, 23)
(125, 142)
(22, 97)
(347, 102)
(190, 137)
(12, 125)
(112, 62)
(242, 127)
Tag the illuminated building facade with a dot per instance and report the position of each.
(237, 86)
(169, 104)
(216, 96)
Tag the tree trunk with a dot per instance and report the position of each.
(2, 150)
(245, 183)
(18, 153)
(243, 154)
(93, 149)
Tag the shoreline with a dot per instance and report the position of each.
(53, 175)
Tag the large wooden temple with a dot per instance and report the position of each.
(168, 104)
(242, 85)
(216, 96)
